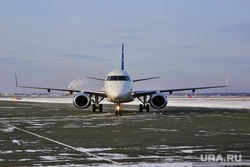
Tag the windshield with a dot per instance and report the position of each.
(118, 78)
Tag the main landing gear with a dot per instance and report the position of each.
(118, 110)
(144, 104)
(97, 107)
(146, 107)
(96, 104)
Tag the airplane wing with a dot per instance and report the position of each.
(150, 92)
(49, 89)
(102, 94)
(98, 93)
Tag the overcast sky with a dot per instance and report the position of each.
(187, 43)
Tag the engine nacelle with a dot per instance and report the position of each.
(158, 101)
(82, 101)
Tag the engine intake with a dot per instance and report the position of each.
(82, 101)
(158, 101)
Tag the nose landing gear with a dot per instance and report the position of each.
(118, 110)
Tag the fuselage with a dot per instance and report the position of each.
(118, 87)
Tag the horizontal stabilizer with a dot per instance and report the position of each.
(100, 79)
(137, 80)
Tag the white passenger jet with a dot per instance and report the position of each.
(119, 89)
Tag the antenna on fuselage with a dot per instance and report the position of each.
(122, 56)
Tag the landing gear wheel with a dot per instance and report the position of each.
(94, 107)
(116, 112)
(147, 108)
(120, 112)
(100, 107)
(140, 108)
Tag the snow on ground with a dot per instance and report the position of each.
(237, 102)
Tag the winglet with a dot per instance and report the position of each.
(16, 80)
(122, 67)
(227, 81)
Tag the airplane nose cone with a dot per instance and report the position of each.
(119, 93)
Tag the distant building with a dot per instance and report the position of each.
(8, 94)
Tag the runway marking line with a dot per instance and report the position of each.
(65, 145)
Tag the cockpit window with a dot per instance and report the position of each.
(108, 78)
(122, 78)
(118, 78)
(113, 78)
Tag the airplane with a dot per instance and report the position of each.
(119, 89)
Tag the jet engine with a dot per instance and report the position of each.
(158, 101)
(82, 101)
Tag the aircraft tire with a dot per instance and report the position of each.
(116, 112)
(94, 107)
(140, 108)
(100, 107)
(120, 112)
(147, 108)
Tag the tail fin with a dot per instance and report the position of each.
(122, 56)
